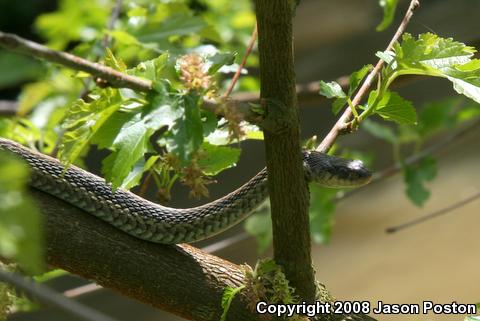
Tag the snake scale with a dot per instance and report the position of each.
(156, 223)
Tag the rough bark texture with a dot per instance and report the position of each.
(180, 279)
(287, 185)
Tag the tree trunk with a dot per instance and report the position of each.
(288, 188)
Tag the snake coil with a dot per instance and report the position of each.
(156, 223)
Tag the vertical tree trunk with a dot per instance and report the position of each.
(287, 185)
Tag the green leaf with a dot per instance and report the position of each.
(357, 77)
(338, 105)
(85, 21)
(380, 131)
(432, 55)
(21, 236)
(82, 122)
(221, 136)
(186, 136)
(415, 178)
(472, 318)
(129, 146)
(331, 90)
(26, 69)
(389, 7)
(322, 209)
(228, 295)
(135, 175)
(152, 69)
(219, 60)
(393, 107)
(113, 62)
(354, 81)
(215, 159)
(435, 116)
(127, 135)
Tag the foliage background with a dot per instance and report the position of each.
(326, 52)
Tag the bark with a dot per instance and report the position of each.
(287, 185)
(180, 279)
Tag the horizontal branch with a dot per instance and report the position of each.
(434, 214)
(45, 295)
(180, 279)
(417, 157)
(113, 77)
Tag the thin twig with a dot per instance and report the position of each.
(115, 14)
(52, 298)
(235, 78)
(8, 108)
(340, 125)
(416, 158)
(432, 215)
(113, 77)
(36, 50)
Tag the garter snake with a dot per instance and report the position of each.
(156, 223)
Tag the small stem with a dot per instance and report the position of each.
(235, 78)
(342, 122)
(352, 107)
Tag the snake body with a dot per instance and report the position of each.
(156, 223)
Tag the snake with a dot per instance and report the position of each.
(152, 222)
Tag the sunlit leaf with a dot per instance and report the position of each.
(215, 159)
(331, 90)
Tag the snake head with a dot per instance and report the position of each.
(331, 171)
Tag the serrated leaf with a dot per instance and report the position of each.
(431, 51)
(215, 159)
(415, 178)
(434, 56)
(380, 131)
(393, 107)
(186, 135)
(127, 135)
(151, 69)
(82, 122)
(389, 7)
(331, 90)
(21, 236)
